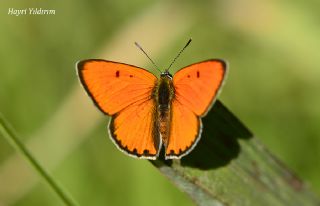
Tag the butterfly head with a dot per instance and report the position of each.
(166, 74)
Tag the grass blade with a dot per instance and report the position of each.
(8, 132)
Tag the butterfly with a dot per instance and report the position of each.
(148, 113)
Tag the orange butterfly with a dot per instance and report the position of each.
(148, 112)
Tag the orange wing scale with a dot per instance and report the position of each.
(196, 87)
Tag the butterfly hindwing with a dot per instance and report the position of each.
(185, 129)
(134, 130)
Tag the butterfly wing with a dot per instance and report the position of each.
(124, 92)
(196, 88)
(197, 85)
(135, 132)
(185, 129)
(114, 86)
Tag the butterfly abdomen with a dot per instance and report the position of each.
(164, 96)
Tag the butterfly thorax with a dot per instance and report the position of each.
(163, 95)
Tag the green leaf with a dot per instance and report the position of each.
(229, 166)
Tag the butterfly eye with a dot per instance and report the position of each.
(166, 74)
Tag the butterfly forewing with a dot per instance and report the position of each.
(114, 86)
(197, 85)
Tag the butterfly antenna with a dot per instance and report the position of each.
(154, 64)
(187, 44)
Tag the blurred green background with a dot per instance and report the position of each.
(273, 87)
